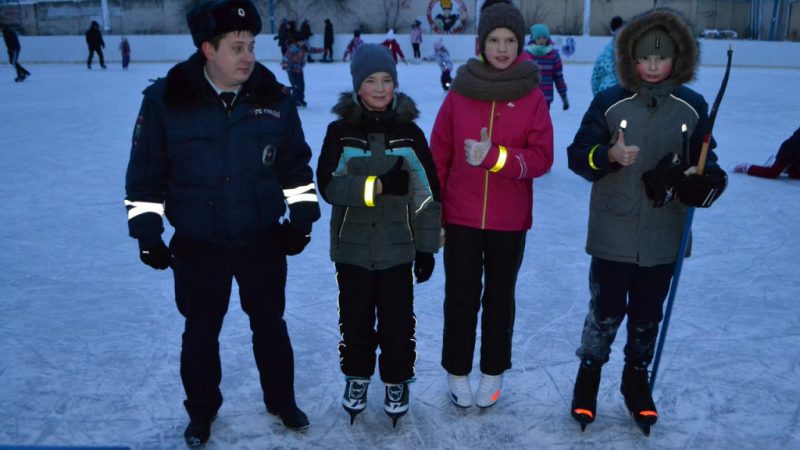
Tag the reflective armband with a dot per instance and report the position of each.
(591, 157)
(369, 190)
(501, 159)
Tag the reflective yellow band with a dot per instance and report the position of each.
(501, 159)
(591, 160)
(369, 190)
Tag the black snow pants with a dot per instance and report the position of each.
(619, 289)
(471, 257)
(388, 295)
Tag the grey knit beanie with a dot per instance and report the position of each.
(369, 59)
(654, 42)
(501, 15)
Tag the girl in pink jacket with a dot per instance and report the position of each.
(491, 137)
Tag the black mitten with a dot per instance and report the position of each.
(155, 253)
(660, 181)
(294, 241)
(395, 180)
(423, 266)
(701, 190)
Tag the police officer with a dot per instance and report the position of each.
(218, 148)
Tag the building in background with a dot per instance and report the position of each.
(748, 19)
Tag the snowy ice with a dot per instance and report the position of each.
(90, 337)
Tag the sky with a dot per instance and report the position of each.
(90, 337)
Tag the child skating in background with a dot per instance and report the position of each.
(635, 144)
(550, 66)
(376, 170)
(787, 159)
(294, 62)
(353, 45)
(391, 43)
(416, 39)
(442, 58)
(125, 50)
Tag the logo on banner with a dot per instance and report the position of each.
(447, 16)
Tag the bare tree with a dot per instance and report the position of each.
(391, 12)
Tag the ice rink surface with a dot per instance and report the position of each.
(90, 337)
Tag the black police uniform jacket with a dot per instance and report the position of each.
(219, 176)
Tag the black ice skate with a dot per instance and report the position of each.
(636, 389)
(396, 401)
(198, 432)
(355, 396)
(584, 396)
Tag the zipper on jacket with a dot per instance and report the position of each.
(344, 219)
(486, 173)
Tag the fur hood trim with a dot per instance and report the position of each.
(348, 109)
(687, 50)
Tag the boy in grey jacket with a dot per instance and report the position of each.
(377, 171)
(637, 143)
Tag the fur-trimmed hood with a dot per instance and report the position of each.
(350, 111)
(186, 86)
(687, 50)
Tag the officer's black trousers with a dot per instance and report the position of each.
(203, 279)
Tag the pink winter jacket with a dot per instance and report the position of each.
(498, 195)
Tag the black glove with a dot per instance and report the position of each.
(565, 102)
(395, 180)
(701, 190)
(660, 181)
(294, 241)
(155, 253)
(423, 266)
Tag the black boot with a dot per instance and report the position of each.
(197, 432)
(293, 418)
(635, 388)
(584, 396)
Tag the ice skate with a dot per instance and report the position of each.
(460, 390)
(636, 390)
(584, 396)
(354, 400)
(396, 401)
(488, 390)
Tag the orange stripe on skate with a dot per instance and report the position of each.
(648, 413)
(496, 395)
(585, 412)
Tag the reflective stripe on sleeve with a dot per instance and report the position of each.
(369, 190)
(501, 159)
(591, 157)
(138, 208)
(305, 193)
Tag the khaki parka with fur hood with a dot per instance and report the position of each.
(624, 226)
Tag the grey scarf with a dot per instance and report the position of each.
(481, 81)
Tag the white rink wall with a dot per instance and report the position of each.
(167, 48)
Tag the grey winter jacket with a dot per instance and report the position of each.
(378, 231)
(624, 225)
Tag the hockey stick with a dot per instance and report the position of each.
(687, 226)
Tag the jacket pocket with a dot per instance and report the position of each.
(271, 203)
(191, 211)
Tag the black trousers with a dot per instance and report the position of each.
(388, 295)
(472, 256)
(203, 278)
(92, 51)
(619, 289)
